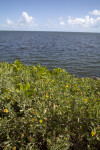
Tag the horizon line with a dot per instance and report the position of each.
(47, 31)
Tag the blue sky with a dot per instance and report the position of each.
(50, 15)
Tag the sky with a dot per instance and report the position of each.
(50, 15)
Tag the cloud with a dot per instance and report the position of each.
(25, 22)
(77, 21)
(61, 21)
(9, 22)
(58, 24)
(87, 21)
(26, 19)
(95, 12)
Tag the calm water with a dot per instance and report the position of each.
(77, 53)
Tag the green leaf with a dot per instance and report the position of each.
(27, 86)
(21, 86)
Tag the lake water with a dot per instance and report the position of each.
(77, 53)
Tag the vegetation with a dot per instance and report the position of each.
(47, 110)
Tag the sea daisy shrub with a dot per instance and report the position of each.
(47, 110)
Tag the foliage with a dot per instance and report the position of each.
(47, 110)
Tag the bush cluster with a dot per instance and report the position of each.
(47, 110)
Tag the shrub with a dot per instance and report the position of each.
(47, 110)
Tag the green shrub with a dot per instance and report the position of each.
(47, 110)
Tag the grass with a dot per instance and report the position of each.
(47, 110)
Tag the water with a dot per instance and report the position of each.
(77, 53)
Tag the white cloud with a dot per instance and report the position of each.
(87, 21)
(9, 22)
(95, 12)
(58, 24)
(26, 19)
(25, 22)
(61, 21)
(74, 21)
